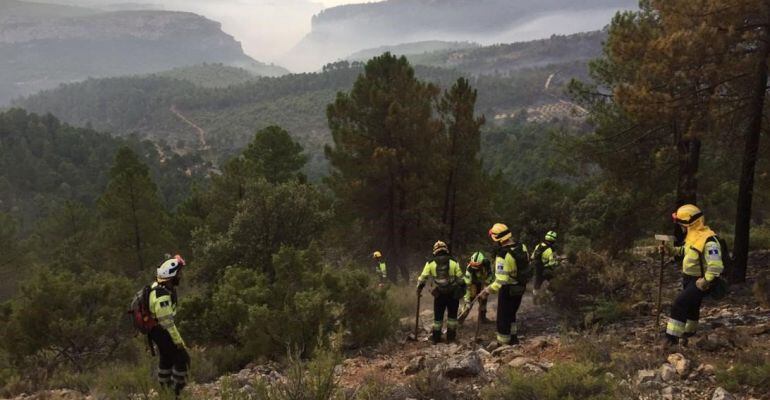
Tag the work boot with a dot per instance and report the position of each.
(685, 340)
(436, 337)
(514, 340)
(451, 335)
(668, 342)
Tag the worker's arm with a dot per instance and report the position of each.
(423, 276)
(549, 260)
(164, 313)
(505, 272)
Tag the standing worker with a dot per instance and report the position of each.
(544, 260)
(448, 288)
(380, 267)
(511, 275)
(701, 266)
(174, 360)
(478, 275)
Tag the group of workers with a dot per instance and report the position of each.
(702, 263)
(701, 255)
(513, 268)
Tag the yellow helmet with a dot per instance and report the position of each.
(439, 247)
(377, 254)
(687, 215)
(500, 233)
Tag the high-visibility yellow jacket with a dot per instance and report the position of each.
(441, 276)
(546, 255)
(506, 270)
(709, 258)
(163, 308)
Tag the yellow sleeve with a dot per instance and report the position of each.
(165, 310)
(458, 272)
(425, 273)
(505, 270)
(548, 258)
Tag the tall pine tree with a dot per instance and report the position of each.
(134, 223)
(385, 147)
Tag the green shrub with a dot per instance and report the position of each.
(563, 381)
(760, 238)
(751, 370)
(587, 349)
(212, 362)
(64, 321)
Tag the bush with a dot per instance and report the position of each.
(430, 386)
(751, 369)
(61, 320)
(563, 381)
(302, 306)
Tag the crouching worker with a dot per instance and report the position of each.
(702, 265)
(448, 288)
(174, 360)
(478, 275)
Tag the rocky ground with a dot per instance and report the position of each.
(730, 331)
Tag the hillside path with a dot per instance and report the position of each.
(198, 130)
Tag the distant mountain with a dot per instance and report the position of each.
(42, 45)
(410, 49)
(340, 31)
(504, 58)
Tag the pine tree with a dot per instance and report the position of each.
(465, 194)
(133, 220)
(385, 137)
(274, 155)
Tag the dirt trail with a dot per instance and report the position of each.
(198, 130)
(389, 361)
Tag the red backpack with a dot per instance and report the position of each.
(139, 313)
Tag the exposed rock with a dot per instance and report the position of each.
(537, 343)
(667, 372)
(722, 394)
(497, 351)
(461, 366)
(681, 364)
(645, 376)
(519, 362)
(415, 365)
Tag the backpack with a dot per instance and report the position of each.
(523, 270)
(139, 311)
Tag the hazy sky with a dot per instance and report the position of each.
(266, 28)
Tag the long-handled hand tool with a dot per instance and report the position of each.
(417, 318)
(662, 239)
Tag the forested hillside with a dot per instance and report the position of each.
(228, 116)
(44, 45)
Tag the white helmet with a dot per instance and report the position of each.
(170, 268)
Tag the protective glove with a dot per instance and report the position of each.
(702, 284)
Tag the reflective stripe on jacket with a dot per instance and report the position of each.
(163, 308)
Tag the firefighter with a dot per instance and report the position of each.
(448, 288)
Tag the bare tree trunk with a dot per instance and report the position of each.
(746, 188)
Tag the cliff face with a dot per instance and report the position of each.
(42, 46)
(339, 31)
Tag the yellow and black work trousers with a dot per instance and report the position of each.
(508, 302)
(445, 302)
(685, 312)
(173, 360)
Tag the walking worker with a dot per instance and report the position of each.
(702, 264)
(380, 267)
(544, 260)
(511, 275)
(448, 288)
